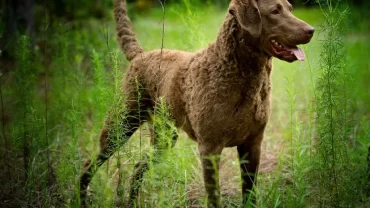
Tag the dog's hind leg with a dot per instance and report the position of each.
(159, 144)
(118, 128)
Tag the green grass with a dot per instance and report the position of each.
(85, 72)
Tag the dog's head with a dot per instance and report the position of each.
(272, 23)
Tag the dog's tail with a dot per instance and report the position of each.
(125, 34)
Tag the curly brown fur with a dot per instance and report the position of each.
(125, 35)
(220, 96)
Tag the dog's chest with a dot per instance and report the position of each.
(243, 105)
(249, 108)
(229, 107)
(253, 106)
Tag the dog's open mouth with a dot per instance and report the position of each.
(290, 53)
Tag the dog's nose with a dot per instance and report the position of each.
(310, 30)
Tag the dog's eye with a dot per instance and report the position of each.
(275, 12)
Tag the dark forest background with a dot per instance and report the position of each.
(25, 17)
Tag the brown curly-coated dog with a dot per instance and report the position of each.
(220, 96)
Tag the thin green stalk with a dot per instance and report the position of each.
(330, 108)
(138, 100)
(46, 101)
(23, 80)
(291, 100)
(331, 118)
(118, 112)
(163, 5)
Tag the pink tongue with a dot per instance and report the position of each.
(298, 53)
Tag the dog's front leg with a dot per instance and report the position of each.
(249, 158)
(210, 157)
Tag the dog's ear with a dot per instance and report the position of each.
(248, 15)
